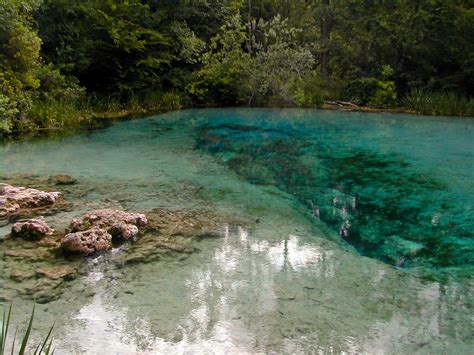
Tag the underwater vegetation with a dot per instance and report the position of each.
(379, 203)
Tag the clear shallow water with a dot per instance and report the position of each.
(340, 198)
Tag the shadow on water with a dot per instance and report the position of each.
(379, 203)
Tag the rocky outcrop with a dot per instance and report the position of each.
(44, 269)
(35, 228)
(87, 242)
(16, 201)
(120, 224)
(97, 229)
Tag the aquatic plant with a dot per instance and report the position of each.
(438, 103)
(43, 348)
(57, 114)
(170, 101)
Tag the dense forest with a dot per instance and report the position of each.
(64, 62)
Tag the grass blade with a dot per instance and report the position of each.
(5, 325)
(14, 339)
(27, 333)
(48, 349)
(45, 341)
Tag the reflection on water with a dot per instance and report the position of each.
(244, 295)
(314, 184)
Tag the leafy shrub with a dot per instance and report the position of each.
(225, 75)
(7, 114)
(55, 86)
(375, 91)
(362, 89)
(386, 92)
(385, 95)
(309, 93)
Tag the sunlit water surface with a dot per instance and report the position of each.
(364, 240)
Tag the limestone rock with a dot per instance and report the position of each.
(14, 199)
(124, 231)
(87, 242)
(35, 228)
(120, 224)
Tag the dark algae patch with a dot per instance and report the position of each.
(380, 203)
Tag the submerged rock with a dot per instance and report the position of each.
(173, 233)
(87, 242)
(19, 276)
(32, 255)
(35, 228)
(57, 273)
(36, 270)
(45, 290)
(63, 180)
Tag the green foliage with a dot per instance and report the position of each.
(26, 82)
(438, 103)
(385, 93)
(8, 113)
(19, 60)
(118, 45)
(224, 76)
(170, 101)
(64, 61)
(190, 46)
(42, 348)
(56, 114)
(55, 86)
(309, 92)
(377, 91)
(279, 63)
(106, 103)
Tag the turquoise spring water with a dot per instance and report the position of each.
(364, 240)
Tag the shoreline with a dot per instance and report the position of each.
(106, 119)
